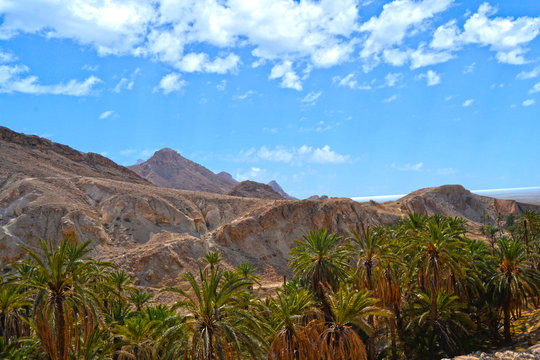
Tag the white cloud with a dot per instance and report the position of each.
(326, 155)
(294, 155)
(244, 95)
(535, 88)
(394, 23)
(284, 33)
(123, 84)
(467, 103)
(432, 78)
(347, 81)
(126, 83)
(421, 57)
(12, 80)
(524, 75)
(311, 98)
(106, 114)
(6, 57)
(222, 86)
(506, 36)
(319, 127)
(254, 173)
(391, 79)
(390, 99)
(469, 68)
(171, 82)
(200, 62)
(350, 82)
(289, 79)
(278, 154)
(528, 102)
(270, 130)
(91, 68)
(112, 27)
(409, 167)
(446, 171)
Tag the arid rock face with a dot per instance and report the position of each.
(48, 190)
(252, 189)
(167, 168)
(275, 186)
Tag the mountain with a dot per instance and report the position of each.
(225, 175)
(34, 156)
(252, 189)
(167, 168)
(50, 190)
(275, 186)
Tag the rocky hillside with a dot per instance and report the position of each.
(167, 168)
(49, 190)
(275, 186)
(252, 189)
(34, 156)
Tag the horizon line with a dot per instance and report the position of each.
(399, 196)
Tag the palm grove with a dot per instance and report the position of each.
(419, 289)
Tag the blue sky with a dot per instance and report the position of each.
(337, 97)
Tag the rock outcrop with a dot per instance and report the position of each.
(532, 353)
(253, 189)
(167, 168)
(48, 190)
(277, 188)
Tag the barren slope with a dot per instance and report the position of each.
(167, 168)
(155, 233)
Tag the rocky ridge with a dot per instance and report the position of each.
(254, 189)
(51, 191)
(167, 168)
(532, 353)
(277, 188)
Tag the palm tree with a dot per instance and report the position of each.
(490, 231)
(514, 284)
(247, 272)
(369, 266)
(530, 222)
(220, 324)
(97, 346)
(322, 260)
(212, 258)
(62, 279)
(437, 261)
(139, 298)
(137, 338)
(289, 312)
(338, 338)
(13, 300)
(451, 323)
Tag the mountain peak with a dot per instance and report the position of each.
(166, 154)
(167, 168)
(277, 188)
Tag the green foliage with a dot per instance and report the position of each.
(418, 289)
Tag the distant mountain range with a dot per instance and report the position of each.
(50, 191)
(167, 168)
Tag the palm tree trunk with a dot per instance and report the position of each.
(371, 321)
(4, 329)
(60, 329)
(371, 341)
(507, 335)
(393, 338)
